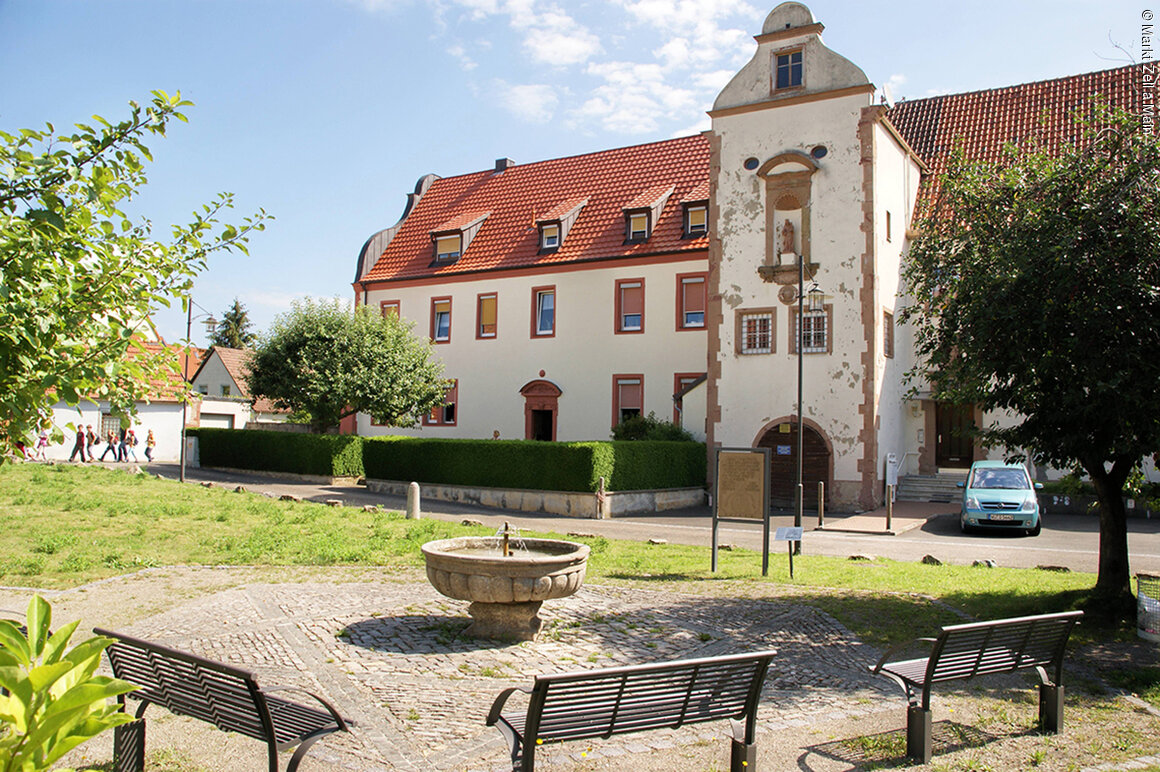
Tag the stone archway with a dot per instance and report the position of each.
(781, 438)
(541, 408)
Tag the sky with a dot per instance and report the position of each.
(325, 113)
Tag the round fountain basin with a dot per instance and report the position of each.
(474, 568)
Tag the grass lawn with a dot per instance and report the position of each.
(65, 525)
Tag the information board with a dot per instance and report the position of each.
(741, 484)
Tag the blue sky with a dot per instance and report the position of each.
(326, 112)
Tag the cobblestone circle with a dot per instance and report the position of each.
(390, 657)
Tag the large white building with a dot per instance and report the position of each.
(564, 295)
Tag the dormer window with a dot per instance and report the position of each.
(451, 239)
(550, 236)
(448, 248)
(788, 69)
(638, 226)
(696, 220)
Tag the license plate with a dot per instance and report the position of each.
(1002, 516)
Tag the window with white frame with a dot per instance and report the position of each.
(755, 332)
(441, 320)
(691, 302)
(630, 305)
(638, 226)
(628, 397)
(448, 248)
(550, 236)
(815, 332)
(486, 311)
(696, 220)
(544, 312)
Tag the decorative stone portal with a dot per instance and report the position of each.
(541, 403)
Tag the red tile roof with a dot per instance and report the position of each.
(524, 194)
(561, 209)
(983, 122)
(649, 196)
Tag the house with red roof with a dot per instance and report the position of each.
(224, 398)
(568, 294)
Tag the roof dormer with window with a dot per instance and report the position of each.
(642, 213)
(554, 225)
(450, 240)
(695, 212)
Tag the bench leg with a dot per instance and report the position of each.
(742, 756)
(1050, 708)
(918, 733)
(129, 747)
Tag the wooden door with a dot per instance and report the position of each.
(955, 446)
(782, 441)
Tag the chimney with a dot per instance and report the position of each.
(502, 164)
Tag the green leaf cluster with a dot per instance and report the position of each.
(79, 278)
(330, 361)
(52, 700)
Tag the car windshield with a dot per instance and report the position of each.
(1008, 479)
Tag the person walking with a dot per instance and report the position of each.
(131, 445)
(150, 443)
(41, 446)
(79, 446)
(91, 440)
(110, 446)
(123, 446)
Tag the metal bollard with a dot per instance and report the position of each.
(889, 506)
(821, 504)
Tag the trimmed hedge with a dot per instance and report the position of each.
(328, 455)
(551, 466)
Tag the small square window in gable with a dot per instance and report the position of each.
(787, 69)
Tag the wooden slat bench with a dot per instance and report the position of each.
(601, 703)
(227, 697)
(982, 648)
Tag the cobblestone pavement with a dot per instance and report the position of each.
(389, 655)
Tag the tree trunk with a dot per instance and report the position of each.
(1111, 599)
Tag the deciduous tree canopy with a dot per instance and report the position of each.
(1037, 291)
(78, 278)
(329, 361)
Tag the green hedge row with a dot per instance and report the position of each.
(553, 466)
(328, 455)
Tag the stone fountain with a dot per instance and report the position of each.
(505, 578)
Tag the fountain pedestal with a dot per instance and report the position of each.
(505, 591)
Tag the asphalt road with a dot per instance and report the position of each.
(1071, 541)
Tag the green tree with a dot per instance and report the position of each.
(1039, 284)
(78, 278)
(329, 361)
(235, 329)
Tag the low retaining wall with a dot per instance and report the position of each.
(580, 505)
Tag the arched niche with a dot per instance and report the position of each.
(788, 178)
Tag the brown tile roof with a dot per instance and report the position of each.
(234, 360)
(523, 194)
(170, 386)
(699, 193)
(982, 122)
(561, 209)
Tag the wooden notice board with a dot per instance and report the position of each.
(741, 490)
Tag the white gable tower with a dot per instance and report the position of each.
(806, 172)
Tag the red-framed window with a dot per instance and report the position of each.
(627, 397)
(441, 320)
(486, 315)
(692, 301)
(543, 312)
(448, 414)
(389, 307)
(629, 306)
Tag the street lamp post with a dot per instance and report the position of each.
(814, 295)
(210, 323)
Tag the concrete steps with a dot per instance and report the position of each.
(941, 487)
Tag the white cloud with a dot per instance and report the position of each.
(466, 63)
(533, 102)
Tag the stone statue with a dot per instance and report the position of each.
(786, 239)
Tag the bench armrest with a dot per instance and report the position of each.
(497, 706)
(329, 708)
(893, 650)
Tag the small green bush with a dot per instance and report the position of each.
(328, 455)
(650, 427)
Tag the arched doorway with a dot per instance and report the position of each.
(541, 405)
(781, 438)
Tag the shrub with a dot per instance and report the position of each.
(650, 428)
(329, 455)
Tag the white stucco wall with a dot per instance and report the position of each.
(755, 390)
(581, 359)
(164, 418)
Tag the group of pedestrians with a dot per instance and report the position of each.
(122, 445)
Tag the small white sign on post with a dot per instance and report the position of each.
(789, 534)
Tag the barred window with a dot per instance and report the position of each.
(814, 332)
(756, 333)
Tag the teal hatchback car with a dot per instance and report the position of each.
(1000, 495)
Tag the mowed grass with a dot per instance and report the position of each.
(65, 525)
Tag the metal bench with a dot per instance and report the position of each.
(601, 703)
(227, 697)
(981, 648)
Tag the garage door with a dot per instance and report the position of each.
(217, 421)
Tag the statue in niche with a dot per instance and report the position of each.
(787, 247)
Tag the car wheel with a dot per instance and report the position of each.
(966, 528)
(1035, 531)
